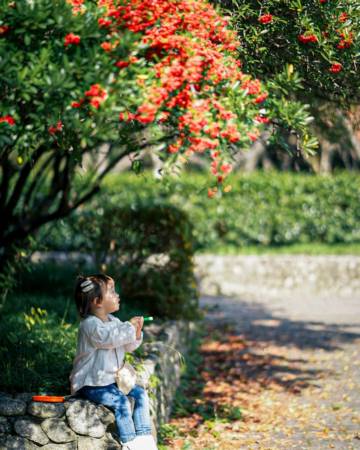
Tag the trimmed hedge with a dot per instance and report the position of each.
(148, 247)
(264, 209)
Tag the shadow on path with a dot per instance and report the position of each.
(258, 323)
(283, 382)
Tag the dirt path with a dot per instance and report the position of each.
(292, 367)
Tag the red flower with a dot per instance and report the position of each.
(97, 95)
(146, 113)
(76, 4)
(95, 102)
(226, 168)
(335, 68)
(71, 38)
(106, 46)
(252, 87)
(343, 17)
(8, 119)
(265, 18)
(231, 133)
(253, 136)
(55, 129)
(104, 22)
(77, 104)
(4, 29)
(212, 192)
(305, 38)
(261, 98)
(344, 43)
(95, 90)
(261, 119)
(122, 64)
(126, 116)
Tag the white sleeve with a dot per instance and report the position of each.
(134, 345)
(110, 334)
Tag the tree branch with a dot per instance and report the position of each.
(41, 173)
(21, 182)
(6, 173)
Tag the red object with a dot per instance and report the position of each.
(266, 18)
(9, 119)
(307, 38)
(48, 398)
(71, 38)
(335, 68)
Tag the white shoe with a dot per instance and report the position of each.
(145, 442)
(131, 445)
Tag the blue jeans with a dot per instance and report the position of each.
(128, 426)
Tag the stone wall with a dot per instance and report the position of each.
(78, 424)
(267, 275)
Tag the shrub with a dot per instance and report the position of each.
(36, 352)
(263, 209)
(148, 247)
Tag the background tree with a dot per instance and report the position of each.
(320, 40)
(75, 75)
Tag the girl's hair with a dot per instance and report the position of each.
(87, 289)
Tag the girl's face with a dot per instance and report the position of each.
(111, 301)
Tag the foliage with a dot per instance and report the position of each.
(37, 346)
(100, 73)
(262, 210)
(303, 52)
(36, 352)
(148, 248)
(76, 75)
(319, 38)
(87, 83)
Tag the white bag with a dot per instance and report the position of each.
(125, 378)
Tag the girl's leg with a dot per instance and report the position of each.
(113, 398)
(141, 413)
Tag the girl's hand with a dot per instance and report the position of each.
(134, 321)
(137, 322)
(141, 322)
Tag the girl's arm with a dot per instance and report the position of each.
(134, 345)
(110, 334)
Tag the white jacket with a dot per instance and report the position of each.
(95, 363)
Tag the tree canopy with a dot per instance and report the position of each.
(319, 38)
(77, 74)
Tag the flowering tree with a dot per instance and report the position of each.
(80, 73)
(320, 38)
(77, 74)
(306, 51)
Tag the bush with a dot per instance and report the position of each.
(145, 245)
(38, 330)
(148, 248)
(263, 209)
(36, 352)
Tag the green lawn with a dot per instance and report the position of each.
(297, 249)
(38, 331)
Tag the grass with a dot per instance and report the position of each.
(38, 331)
(314, 248)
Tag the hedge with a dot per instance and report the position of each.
(264, 209)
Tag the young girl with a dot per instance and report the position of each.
(102, 342)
